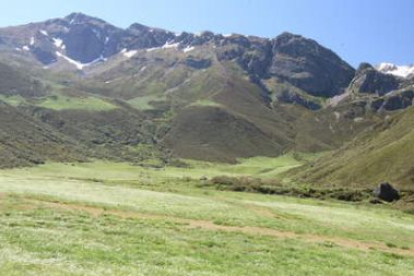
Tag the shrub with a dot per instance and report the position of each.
(244, 184)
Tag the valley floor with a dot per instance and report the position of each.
(105, 218)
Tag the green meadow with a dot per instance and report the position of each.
(62, 102)
(105, 218)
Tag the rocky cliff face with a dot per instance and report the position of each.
(385, 91)
(309, 66)
(369, 80)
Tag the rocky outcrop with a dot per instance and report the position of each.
(294, 98)
(138, 36)
(309, 66)
(399, 100)
(83, 44)
(368, 80)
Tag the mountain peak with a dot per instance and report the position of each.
(364, 66)
(293, 41)
(80, 18)
(289, 35)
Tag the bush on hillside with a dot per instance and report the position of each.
(245, 184)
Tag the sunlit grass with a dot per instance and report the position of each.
(14, 100)
(61, 102)
(105, 218)
(143, 103)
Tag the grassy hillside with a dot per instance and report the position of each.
(26, 141)
(215, 112)
(14, 82)
(210, 133)
(61, 102)
(383, 153)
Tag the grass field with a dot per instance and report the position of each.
(12, 100)
(143, 103)
(105, 218)
(62, 102)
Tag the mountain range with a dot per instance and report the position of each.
(78, 88)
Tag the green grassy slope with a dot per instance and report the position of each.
(233, 116)
(210, 133)
(14, 82)
(62, 102)
(26, 141)
(383, 153)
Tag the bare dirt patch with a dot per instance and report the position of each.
(250, 230)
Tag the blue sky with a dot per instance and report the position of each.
(358, 30)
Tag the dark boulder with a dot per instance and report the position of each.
(386, 192)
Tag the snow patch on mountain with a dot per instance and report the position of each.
(188, 49)
(128, 54)
(43, 32)
(153, 49)
(78, 64)
(169, 45)
(58, 42)
(392, 69)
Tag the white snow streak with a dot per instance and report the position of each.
(188, 49)
(153, 49)
(43, 32)
(169, 45)
(58, 42)
(78, 64)
(128, 54)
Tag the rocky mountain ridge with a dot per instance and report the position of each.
(129, 94)
(82, 41)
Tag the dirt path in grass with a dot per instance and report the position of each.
(250, 230)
